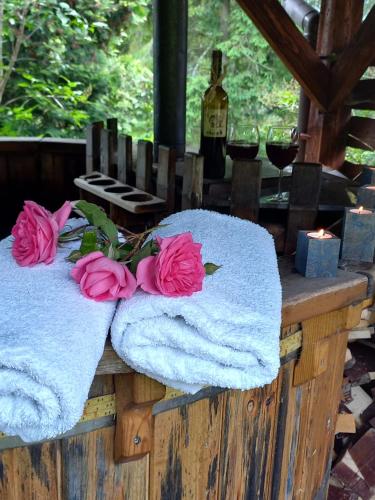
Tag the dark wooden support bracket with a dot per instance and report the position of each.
(135, 396)
(353, 61)
(291, 46)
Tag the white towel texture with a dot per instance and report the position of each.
(227, 335)
(51, 340)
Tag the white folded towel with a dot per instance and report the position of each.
(228, 334)
(51, 340)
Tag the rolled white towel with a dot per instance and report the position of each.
(227, 335)
(51, 340)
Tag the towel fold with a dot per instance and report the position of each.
(227, 335)
(51, 340)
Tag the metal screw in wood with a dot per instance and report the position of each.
(137, 440)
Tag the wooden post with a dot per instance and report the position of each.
(166, 176)
(125, 172)
(339, 22)
(93, 147)
(144, 166)
(192, 184)
(246, 183)
(113, 145)
(303, 201)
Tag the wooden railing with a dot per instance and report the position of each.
(32, 168)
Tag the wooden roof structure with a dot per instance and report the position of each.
(330, 74)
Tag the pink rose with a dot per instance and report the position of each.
(101, 278)
(176, 271)
(36, 233)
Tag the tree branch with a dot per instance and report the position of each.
(20, 37)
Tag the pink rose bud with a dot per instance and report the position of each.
(176, 271)
(36, 233)
(101, 278)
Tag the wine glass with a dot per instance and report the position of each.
(243, 142)
(281, 148)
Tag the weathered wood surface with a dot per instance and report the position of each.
(363, 95)
(292, 48)
(246, 183)
(37, 169)
(354, 59)
(361, 133)
(339, 21)
(303, 201)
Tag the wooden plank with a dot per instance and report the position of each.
(248, 441)
(104, 152)
(363, 95)
(88, 469)
(245, 195)
(292, 48)
(93, 147)
(112, 146)
(124, 159)
(318, 413)
(192, 183)
(111, 363)
(185, 457)
(31, 472)
(361, 133)
(353, 61)
(303, 201)
(144, 166)
(314, 358)
(305, 298)
(166, 177)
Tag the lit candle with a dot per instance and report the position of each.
(360, 210)
(317, 254)
(366, 196)
(321, 235)
(358, 237)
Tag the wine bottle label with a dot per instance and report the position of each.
(215, 123)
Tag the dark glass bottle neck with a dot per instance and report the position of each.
(216, 67)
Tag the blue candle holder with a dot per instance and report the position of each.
(358, 238)
(317, 254)
(367, 176)
(366, 196)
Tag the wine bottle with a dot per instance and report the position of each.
(214, 119)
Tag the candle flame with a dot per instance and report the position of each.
(360, 209)
(321, 233)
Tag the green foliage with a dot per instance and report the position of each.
(85, 60)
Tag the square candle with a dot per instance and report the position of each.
(358, 237)
(317, 254)
(367, 176)
(366, 196)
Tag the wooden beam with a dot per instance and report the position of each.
(363, 95)
(291, 46)
(339, 22)
(353, 61)
(361, 133)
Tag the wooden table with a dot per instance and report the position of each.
(266, 443)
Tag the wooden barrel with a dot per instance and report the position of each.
(266, 443)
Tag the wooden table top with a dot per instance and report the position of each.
(303, 298)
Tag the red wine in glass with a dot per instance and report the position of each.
(242, 150)
(281, 154)
(243, 142)
(281, 148)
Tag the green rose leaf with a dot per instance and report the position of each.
(88, 243)
(98, 218)
(211, 268)
(74, 256)
(145, 251)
